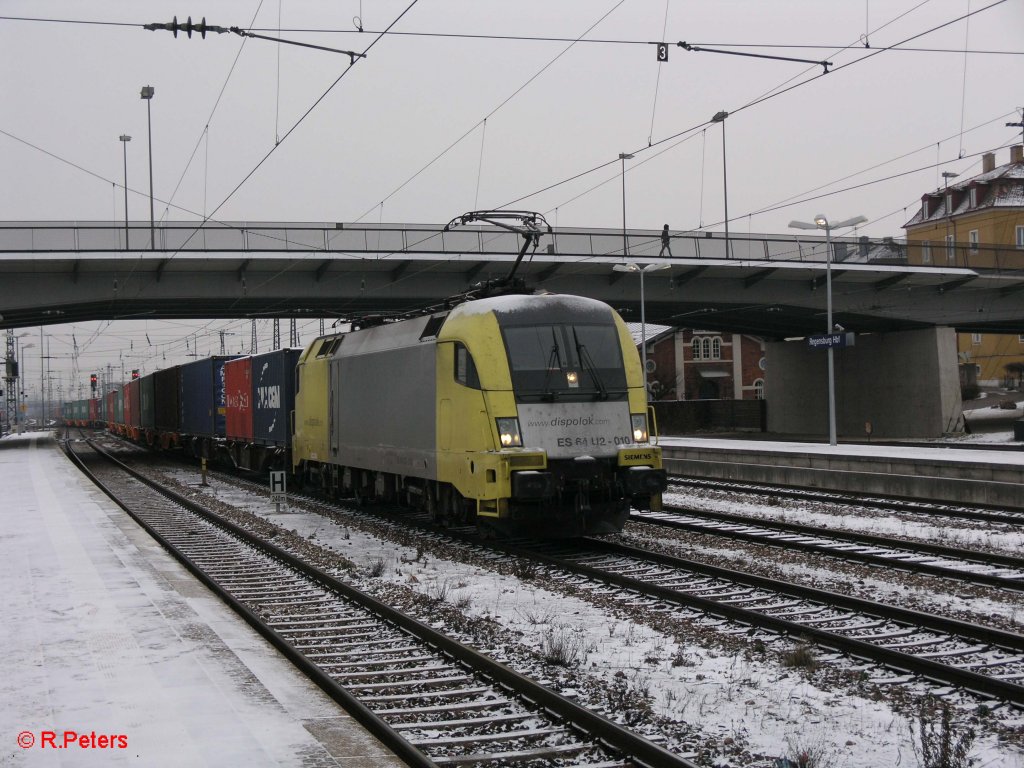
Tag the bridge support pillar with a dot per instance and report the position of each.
(905, 385)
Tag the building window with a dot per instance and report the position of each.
(924, 208)
(950, 249)
(926, 252)
(759, 389)
(1020, 236)
(707, 348)
(974, 197)
(972, 238)
(975, 338)
(1020, 339)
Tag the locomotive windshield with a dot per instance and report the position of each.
(565, 361)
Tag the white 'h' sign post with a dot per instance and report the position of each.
(278, 489)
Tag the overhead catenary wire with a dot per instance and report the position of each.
(490, 114)
(294, 126)
(963, 90)
(523, 38)
(759, 100)
(213, 110)
(204, 209)
(277, 100)
(657, 81)
(480, 166)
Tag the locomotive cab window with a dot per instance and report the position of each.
(465, 368)
(551, 362)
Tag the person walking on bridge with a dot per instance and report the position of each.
(666, 244)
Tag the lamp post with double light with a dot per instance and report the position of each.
(821, 222)
(125, 138)
(623, 157)
(630, 267)
(147, 94)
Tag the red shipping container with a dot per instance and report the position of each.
(110, 402)
(131, 405)
(94, 409)
(238, 399)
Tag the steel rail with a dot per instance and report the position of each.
(867, 539)
(360, 712)
(963, 510)
(603, 730)
(935, 671)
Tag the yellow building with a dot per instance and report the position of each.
(977, 223)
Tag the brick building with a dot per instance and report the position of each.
(693, 364)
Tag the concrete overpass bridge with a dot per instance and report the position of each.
(767, 285)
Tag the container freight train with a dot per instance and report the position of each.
(521, 413)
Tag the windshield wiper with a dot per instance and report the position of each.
(589, 367)
(554, 360)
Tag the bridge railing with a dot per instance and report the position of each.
(388, 240)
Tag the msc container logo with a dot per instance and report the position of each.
(268, 397)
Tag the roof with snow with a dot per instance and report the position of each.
(1002, 187)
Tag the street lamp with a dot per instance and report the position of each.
(624, 156)
(643, 316)
(125, 138)
(720, 118)
(147, 94)
(820, 222)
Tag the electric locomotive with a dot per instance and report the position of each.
(523, 413)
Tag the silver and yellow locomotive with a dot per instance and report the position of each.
(523, 413)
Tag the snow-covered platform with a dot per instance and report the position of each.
(114, 654)
(993, 477)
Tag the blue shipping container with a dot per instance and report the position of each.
(203, 397)
(273, 396)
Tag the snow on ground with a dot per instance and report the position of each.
(753, 701)
(103, 633)
(940, 453)
(951, 533)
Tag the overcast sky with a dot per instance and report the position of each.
(401, 137)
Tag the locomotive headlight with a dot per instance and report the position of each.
(508, 433)
(572, 379)
(639, 421)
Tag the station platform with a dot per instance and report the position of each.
(115, 654)
(956, 475)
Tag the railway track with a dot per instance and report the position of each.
(985, 661)
(994, 570)
(887, 503)
(427, 697)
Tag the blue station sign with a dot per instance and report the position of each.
(831, 340)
